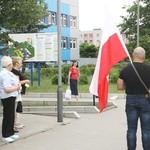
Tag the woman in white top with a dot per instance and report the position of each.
(9, 88)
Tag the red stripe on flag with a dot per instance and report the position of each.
(111, 53)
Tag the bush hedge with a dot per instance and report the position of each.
(86, 73)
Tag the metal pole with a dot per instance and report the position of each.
(59, 90)
(31, 72)
(93, 100)
(138, 21)
(39, 73)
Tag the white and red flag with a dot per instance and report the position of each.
(112, 50)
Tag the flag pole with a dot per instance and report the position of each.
(138, 33)
(138, 21)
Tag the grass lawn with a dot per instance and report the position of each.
(47, 87)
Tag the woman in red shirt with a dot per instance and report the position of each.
(73, 77)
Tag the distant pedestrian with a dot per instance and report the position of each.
(9, 88)
(73, 77)
(137, 98)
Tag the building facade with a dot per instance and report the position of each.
(91, 37)
(69, 26)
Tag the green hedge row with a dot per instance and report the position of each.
(86, 72)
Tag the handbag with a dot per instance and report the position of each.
(68, 94)
(19, 107)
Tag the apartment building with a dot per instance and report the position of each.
(91, 37)
(69, 26)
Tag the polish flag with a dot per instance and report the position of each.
(112, 50)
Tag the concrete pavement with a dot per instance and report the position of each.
(101, 131)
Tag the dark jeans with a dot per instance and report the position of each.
(8, 116)
(138, 107)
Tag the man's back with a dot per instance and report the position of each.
(133, 83)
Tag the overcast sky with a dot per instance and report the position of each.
(91, 12)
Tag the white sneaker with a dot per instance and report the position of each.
(15, 136)
(8, 140)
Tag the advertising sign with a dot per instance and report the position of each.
(44, 46)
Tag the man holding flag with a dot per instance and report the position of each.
(135, 80)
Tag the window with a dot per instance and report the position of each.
(85, 35)
(53, 18)
(64, 20)
(91, 35)
(50, 19)
(91, 41)
(64, 42)
(73, 21)
(73, 43)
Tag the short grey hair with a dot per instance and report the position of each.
(5, 61)
(139, 52)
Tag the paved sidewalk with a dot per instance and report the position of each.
(105, 131)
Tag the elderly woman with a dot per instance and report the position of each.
(9, 88)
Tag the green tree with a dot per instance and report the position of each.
(83, 47)
(21, 16)
(129, 25)
(88, 50)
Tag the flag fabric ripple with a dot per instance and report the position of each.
(112, 50)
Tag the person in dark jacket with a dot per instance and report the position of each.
(137, 98)
(17, 65)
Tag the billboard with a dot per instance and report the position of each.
(44, 45)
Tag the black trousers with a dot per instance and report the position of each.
(73, 87)
(8, 116)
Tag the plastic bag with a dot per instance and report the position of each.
(68, 94)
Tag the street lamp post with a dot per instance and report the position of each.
(59, 90)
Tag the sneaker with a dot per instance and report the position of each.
(15, 136)
(8, 140)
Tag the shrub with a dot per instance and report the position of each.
(114, 74)
(90, 65)
(64, 78)
(92, 68)
(84, 70)
(46, 72)
(83, 79)
(54, 71)
(65, 69)
(26, 75)
(55, 80)
(49, 72)
(35, 76)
